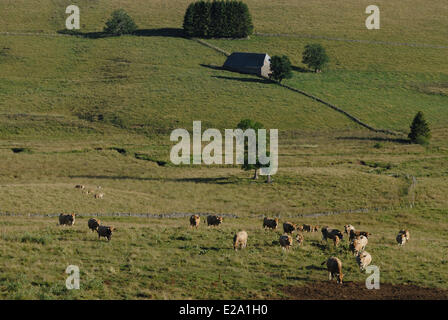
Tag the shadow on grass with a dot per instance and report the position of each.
(298, 278)
(313, 267)
(378, 139)
(321, 246)
(300, 69)
(88, 35)
(210, 248)
(212, 67)
(161, 32)
(219, 180)
(255, 80)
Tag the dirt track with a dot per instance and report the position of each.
(357, 290)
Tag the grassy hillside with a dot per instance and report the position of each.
(150, 85)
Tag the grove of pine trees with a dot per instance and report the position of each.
(218, 19)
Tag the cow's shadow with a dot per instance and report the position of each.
(298, 278)
(314, 267)
(321, 246)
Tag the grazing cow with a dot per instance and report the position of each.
(80, 186)
(358, 244)
(406, 233)
(240, 240)
(401, 239)
(307, 227)
(99, 195)
(214, 220)
(289, 227)
(285, 241)
(194, 221)
(328, 233)
(93, 224)
(300, 239)
(67, 219)
(270, 223)
(104, 231)
(336, 241)
(355, 234)
(347, 228)
(315, 228)
(334, 267)
(363, 259)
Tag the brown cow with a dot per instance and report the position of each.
(401, 239)
(93, 224)
(300, 239)
(289, 227)
(406, 233)
(358, 244)
(194, 221)
(334, 267)
(363, 259)
(355, 234)
(285, 241)
(347, 228)
(328, 233)
(336, 241)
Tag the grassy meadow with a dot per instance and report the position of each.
(166, 259)
(99, 112)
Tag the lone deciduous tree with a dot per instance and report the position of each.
(251, 124)
(315, 57)
(280, 68)
(420, 132)
(120, 23)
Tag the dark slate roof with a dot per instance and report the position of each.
(245, 60)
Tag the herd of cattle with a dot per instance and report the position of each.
(96, 194)
(357, 239)
(93, 224)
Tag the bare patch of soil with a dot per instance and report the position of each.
(327, 290)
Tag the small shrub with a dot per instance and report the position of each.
(378, 145)
(423, 141)
(120, 23)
